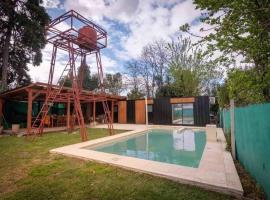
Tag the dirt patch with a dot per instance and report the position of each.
(8, 181)
(251, 189)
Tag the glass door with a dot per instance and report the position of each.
(188, 117)
(182, 113)
(177, 114)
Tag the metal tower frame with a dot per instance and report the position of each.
(67, 40)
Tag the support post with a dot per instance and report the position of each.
(224, 120)
(1, 114)
(88, 113)
(68, 115)
(232, 128)
(94, 113)
(112, 110)
(29, 110)
(146, 112)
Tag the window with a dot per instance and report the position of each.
(182, 113)
(149, 108)
(115, 109)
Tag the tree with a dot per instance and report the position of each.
(191, 69)
(133, 78)
(155, 58)
(135, 94)
(223, 95)
(239, 28)
(244, 87)
(89, 82)
(113, 83)
(185, 81)
(169, 90)
(22, 36)
(151, 68)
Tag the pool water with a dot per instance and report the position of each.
(181, 147)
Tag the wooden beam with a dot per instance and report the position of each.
(29, 110)
(36, 95)
(150, 101)
(68, 115)
(183, 100)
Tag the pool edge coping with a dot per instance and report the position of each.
(229, 182)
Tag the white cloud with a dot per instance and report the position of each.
(41, 73)
(96, 9)
(154, 23)
(144, 21)
(51, 3)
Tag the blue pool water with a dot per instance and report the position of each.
(184, 147)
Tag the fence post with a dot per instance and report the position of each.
(224, 122)
(232, 128)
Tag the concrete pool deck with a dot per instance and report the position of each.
(216, 171)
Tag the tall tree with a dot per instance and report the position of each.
(155, 57)
(87, 81)
(192, 70)
(239, 28)
(113, 83)
(134, 94)
(133, 79)
(22, 36)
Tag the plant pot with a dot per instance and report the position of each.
(15, 128)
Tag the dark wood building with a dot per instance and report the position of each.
(166, 111)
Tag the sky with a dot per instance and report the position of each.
(130, 25)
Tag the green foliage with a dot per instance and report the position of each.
(239, 28)
(185, 81)
(223, 95)
(22, 36)
(67, 83)
(113, 83)
(89, 82)
(177, 69)
(135, 94)
(191, 71)
(245, 87)
(169, 90)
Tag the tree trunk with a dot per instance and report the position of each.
(5, 60)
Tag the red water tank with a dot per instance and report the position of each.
(87, 37)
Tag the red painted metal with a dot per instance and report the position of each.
(89, 40)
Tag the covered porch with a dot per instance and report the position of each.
(21, 105)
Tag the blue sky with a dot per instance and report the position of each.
(131, 24)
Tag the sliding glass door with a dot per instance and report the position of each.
(182, 113)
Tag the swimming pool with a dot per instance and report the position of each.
(181, 147)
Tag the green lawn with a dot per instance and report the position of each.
(29, 171)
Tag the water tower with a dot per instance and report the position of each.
(79, 38)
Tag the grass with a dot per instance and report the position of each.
(29, 171)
